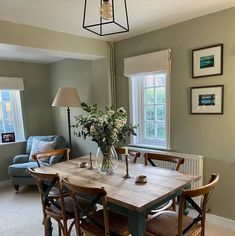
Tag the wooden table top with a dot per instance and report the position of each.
(161, 183)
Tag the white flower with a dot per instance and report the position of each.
(114, 131)
(110, 112)
(92, 129)
(118, 123)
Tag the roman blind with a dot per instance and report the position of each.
(151, 62)
(11, 83)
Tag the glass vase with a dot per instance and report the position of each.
(106, 160)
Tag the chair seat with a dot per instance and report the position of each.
(57, 212)
(166, 224)
(118, 224)
(54, 193)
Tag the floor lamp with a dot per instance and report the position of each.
(67, 97)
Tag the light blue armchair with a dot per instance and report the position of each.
(19, 169)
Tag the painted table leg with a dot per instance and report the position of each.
(137, 223)
(186, 208)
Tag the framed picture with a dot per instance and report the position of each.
(8, 137)
(207, 99)
(207, 61)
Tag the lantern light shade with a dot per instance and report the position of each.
(105, 17)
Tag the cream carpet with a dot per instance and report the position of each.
(20, 215)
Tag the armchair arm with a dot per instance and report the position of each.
(21, 159)
(47, 154)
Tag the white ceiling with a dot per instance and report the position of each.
(144, 15)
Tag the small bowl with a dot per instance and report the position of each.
(83, 164)
(141, 179)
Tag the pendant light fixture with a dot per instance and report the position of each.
(105, 17)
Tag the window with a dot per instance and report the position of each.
(10, 107)
(150, 109)
(149, 83)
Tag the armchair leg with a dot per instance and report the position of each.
(17, 188)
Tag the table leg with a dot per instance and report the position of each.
(186, 208)
(137, 223)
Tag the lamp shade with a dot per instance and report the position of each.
(67, 97)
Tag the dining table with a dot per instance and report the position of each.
(125, 195)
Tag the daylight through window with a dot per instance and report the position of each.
(11, 113)
(150, 109)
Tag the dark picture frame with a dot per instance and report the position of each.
(207, 61)
(8, 137)
(207, 100)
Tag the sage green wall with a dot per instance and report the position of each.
(36, 106)
(90, 78)
(213, 136)
(7, 152)
(36, 37)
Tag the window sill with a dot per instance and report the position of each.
(148, 147)
(16, 142)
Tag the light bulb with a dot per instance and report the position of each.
(106, 11)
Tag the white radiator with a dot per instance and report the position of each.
(193, 165)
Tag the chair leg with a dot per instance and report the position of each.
(59, 230)
(17, 188)
(46, 226)
(65, 228)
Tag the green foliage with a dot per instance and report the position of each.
(106, 127)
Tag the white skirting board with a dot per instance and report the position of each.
(220, 221)
(5, 183)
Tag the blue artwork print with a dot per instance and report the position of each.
(206, 100)
(207, 61)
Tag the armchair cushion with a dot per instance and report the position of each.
(40, 146)
(21, 169)
(20, 158)
(60, 141)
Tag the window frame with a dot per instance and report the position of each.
(138, 88)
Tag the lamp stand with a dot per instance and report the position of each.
(69, 128)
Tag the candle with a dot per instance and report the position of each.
(126, 151)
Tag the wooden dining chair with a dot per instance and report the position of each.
(171, 223)
(134, 154)
(178, 161)
(151, 157)
(43, 156)
(56, 205)
(102, 222)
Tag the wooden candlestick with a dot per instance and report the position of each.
(127, 176)
(91, 167)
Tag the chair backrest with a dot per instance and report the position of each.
(186, 196)
(96, 195)
(150, 157)
(45, 183)
(45, 155)
(134, 154)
